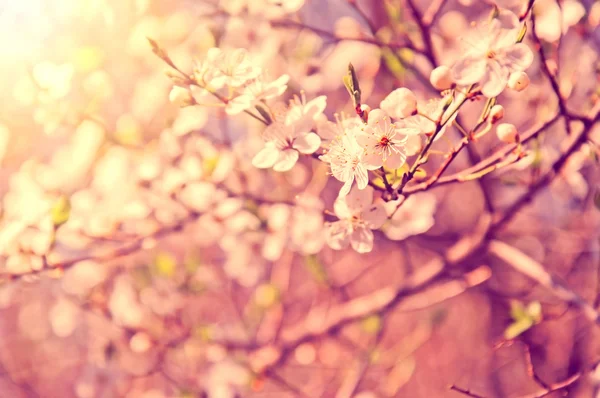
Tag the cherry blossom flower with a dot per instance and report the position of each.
(255, 92)
(400, 103)
(346, 158)
(383, 141)
(429, 113)
(413, 217)
(231, 68)
(492, 54)
(287, 139)
(357, 217)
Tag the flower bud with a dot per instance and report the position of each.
(507, 132)
(363, 111)
(400, 103)
(441, 78)
(496, 113)
(518, 81)
(181, 96)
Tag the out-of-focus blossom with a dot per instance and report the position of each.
(492, 54)
(357, 217)
(553, 20)
(256, 92)
(507, 132)
(414, 217)
(231, 68)
(441, 78)
(54, 80)
(287, 139)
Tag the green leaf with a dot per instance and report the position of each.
(517, 310)
(517, 328)
(393, 63)
(61, 211)
(316, 269)
(522, 33)
(165, 264)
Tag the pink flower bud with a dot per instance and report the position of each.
(507, 132)
(496, 113)
(518, 81)
(400, 103)
(441, 78)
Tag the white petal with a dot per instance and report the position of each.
(346, 187)
(266, 157)
(340, 207)
(362, 240)
(287, 160)
(359, 199)
(376, 116)
(395, 160)
(239, 104)
(337, 234)
(307, 143)
(468, 70)
(495, 80)
(518, 57)
(375, 216)
(374, 160)
(362, 178)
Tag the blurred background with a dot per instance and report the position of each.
(116, 284)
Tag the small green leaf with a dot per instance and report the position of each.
(517, 310)
(61, 211)
(316, 269)
(522, 33)
(517, 328)
(165, 264)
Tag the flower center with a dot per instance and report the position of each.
(491, 54)
(384, 141)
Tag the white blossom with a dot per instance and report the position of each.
(413, 217)
(288, 138)
(384, 141)
(255, 92)
(492, 54)
(400, 103)
(357, 217)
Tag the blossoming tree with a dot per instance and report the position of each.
(389, 206)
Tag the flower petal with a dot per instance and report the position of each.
(362, 178)
(518, 57)
(287, 160)
(266, 157)
(307, 143)
(374, 160)
(468, 70)
(495, 80)
(395, 160)
(375, 216)
(362, 239)
(337, 234)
